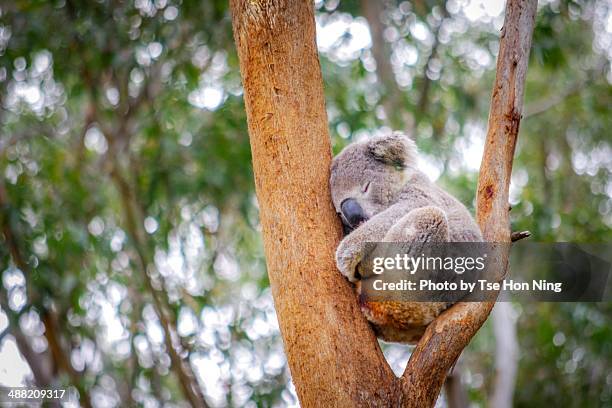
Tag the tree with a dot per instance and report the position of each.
(333, 356)
(291, 158)
(109, 82)
(154, 86)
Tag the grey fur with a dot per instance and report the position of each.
(400, 203)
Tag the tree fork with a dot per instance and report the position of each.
(332, 353)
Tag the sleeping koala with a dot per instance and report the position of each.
(381, 196)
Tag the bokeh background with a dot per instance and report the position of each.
(126, 188)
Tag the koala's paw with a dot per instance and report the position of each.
(348, 256)
(425, 224)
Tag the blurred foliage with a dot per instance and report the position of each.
(126, 186)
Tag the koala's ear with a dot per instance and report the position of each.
(396, 149)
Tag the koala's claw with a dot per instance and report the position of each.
(347, 262)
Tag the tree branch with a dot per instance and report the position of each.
(391, 95)
(448, 335)
(43, 365)
(14, 138)
(39, 363)
(119, 139)
(134, 221)
(518, 235)
(542, 105)
(60, 356)
(424, 96)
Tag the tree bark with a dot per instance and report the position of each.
(446, 337)
(504, 119)
(332, 353)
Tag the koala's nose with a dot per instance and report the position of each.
(352, 212)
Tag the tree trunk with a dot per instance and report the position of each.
(456, 395)
(397, 116)
(333, 355)
(506, 355)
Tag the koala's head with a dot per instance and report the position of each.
(366, 177)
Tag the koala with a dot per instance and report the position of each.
(381, 196)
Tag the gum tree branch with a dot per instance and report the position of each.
(448, 335)
(518, 235)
